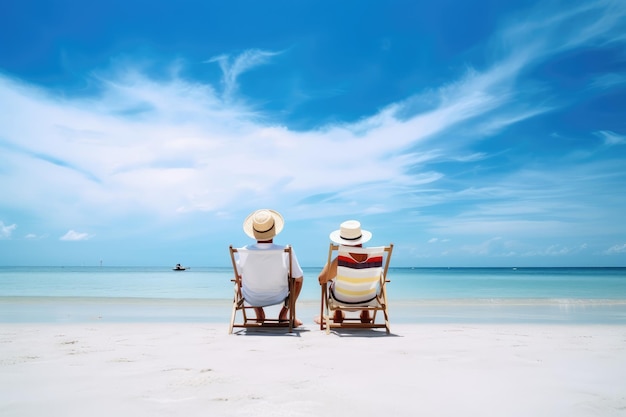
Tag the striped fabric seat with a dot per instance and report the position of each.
(357, 282)
(359, 286)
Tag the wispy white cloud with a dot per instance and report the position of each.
(489, 247)
(438, 240)
(72, 235)
(615, 249)
(232, 68)
(611, 138)
(556, 250)
(477, 156)
(6, 230)
(551, 28)
(608, 81)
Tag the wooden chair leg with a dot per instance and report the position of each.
(322, 316)
(232, 317)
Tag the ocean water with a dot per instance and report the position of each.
(417, 295)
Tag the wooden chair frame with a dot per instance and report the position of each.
(241, 305)
(330, 305)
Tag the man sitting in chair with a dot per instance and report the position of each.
(263, 225)
(349, 234)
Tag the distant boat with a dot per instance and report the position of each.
(179, 267)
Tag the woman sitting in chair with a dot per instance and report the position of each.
(348, 234)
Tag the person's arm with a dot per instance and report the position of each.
(329, 272)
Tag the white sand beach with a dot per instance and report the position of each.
(192, 369)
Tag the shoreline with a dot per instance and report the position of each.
(193, 369)
(18, 309)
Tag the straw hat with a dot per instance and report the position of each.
(350, 233)
(263, 224)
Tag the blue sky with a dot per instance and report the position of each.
(468, 133)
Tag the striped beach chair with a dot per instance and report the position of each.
(360, 285)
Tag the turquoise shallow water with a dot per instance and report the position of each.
(570, 295)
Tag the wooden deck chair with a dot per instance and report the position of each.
(262, 279)
(358, 286)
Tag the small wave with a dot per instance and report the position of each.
(513, 302)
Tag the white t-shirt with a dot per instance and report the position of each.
(266, 292)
